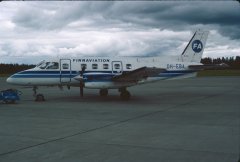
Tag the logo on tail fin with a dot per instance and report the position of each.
(197, 46)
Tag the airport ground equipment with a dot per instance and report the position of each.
(10, 95)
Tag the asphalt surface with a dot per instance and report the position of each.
(169, 121)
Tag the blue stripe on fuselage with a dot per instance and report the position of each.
(89, 75)
(62, 72)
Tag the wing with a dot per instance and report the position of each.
(138, 74)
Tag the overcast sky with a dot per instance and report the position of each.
(32, 31)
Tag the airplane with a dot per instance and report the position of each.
(106, 73)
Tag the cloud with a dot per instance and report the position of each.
(56, 29)
(163, 15)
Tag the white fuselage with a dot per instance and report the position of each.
(99, 71)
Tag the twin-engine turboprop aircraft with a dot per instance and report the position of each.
(113, 72)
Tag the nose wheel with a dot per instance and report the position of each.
(38, 97)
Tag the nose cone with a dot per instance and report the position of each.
(10, 80)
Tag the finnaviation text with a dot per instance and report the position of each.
(91, 60)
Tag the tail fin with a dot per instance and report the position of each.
(194, 50)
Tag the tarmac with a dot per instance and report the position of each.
(190, 120)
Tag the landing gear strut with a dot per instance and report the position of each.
(103, 92)
(38, 97)
(35, 91)
(124, 94)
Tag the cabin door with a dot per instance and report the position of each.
(117, 67)
(65, 70)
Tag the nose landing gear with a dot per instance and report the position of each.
(38, 97)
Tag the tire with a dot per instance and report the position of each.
(40, 98)
(125, 95)
(8, 101)
(103, 92)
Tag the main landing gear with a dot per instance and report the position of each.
(38, 97)
(124, 94)
(103, 92)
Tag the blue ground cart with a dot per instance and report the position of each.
(10, 95)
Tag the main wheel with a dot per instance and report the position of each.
(40, 97)
(103, 92)
(125, 95)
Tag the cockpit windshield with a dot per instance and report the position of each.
(52, 65)
(39, 64)
(48, 65)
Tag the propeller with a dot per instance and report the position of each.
(82, 81)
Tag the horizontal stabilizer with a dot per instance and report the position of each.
(208, 67)
(138, 74)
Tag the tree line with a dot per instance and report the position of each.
(233, 62)
(13, 68)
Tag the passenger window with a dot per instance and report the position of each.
(83, 65)
(94, 66)
(53, 65)
(105, 66)
(65, 66)
(128, 66)
(117, 66)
